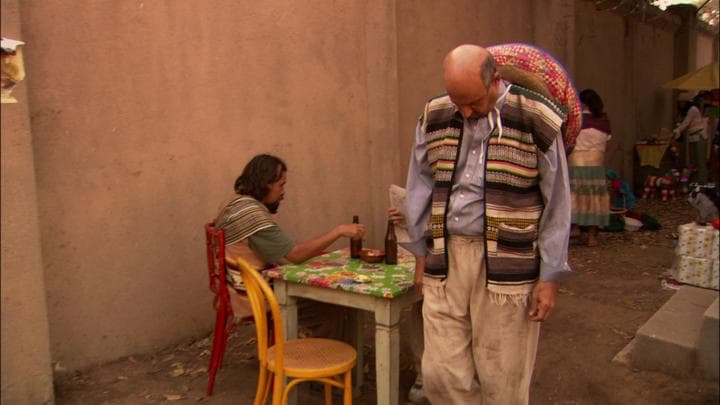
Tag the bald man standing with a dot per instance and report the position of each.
(488, 203)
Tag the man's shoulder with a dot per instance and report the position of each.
(243, 201)
(242, 217)
(438, 109)
(438, 101)
(245, 208)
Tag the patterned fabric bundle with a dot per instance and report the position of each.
(552, 74)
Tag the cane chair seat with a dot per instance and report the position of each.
(309, 357)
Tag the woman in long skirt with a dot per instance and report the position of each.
(590, 197)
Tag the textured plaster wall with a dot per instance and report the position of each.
(626, 62)
(25, 371)
(428, 30)
(653, 66)
(143, 114)
(707, 50)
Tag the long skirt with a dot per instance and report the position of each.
(590, 197)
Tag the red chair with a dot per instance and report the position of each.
(217, 271)
(225, 319)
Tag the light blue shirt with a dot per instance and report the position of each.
(466, 209)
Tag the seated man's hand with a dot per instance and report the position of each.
(353, 231)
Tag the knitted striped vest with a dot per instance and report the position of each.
(513, 202)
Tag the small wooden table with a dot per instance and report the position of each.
(385, 290)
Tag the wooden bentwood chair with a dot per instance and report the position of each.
(225, 319)
(310, 359)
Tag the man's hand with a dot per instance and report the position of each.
(419, 273)
(353, 231)
(395, 215)
(542, 300)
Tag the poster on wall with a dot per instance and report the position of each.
(13, 70)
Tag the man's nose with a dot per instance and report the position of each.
(466, 112)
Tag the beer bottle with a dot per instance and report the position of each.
(390, 244)
(355, 243)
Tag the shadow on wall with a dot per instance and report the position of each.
(614, 158)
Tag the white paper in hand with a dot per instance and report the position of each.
(397, 201)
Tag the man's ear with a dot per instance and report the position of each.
(496, 78)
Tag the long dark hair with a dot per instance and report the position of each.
(593, 101)
(259, 173)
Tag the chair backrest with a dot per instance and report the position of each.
(261, 296)
(217, 270)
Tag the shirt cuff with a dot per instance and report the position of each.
(554, 273)
(417, 248)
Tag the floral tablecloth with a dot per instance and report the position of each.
(337, 270)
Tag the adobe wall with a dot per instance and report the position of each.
(25, 370)
(143, 114)
(428, 29)
(707, 49)
(625, 60)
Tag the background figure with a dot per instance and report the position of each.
(715, 155)
(694, 129)
(590, 197)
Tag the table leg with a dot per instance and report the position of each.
(357, 339)
(288, 311)
(387, 358)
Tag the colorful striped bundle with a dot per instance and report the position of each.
(540, 63)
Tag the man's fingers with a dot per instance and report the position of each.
(418, 282)
(359, 231)
(542, 301)
(533, 311)
(540, 312)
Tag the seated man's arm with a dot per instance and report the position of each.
(313, 247)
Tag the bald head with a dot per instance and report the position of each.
(469, 62)
(471, 80)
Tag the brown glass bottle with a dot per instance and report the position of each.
(390, 244)
(355, 244)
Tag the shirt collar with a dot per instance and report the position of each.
(502, 91)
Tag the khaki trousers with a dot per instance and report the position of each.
(476, 352)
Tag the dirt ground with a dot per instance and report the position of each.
(616, 288)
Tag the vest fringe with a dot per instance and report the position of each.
(518, 300)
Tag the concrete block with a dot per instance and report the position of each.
(708, 358)
(667, 342)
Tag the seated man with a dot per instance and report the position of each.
(252, 233)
